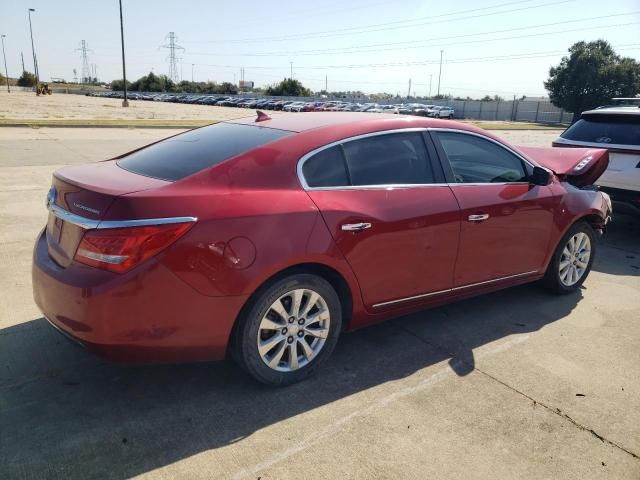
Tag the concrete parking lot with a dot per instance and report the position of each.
(516, 384)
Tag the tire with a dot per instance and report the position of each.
(569, 267)
(281, 334)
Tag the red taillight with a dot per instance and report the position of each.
(120, 249)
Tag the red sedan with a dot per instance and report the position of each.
(266, 238)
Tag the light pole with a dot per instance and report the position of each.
(125, 102)
(5, 64)
(291, 63)
(192, 65)
(440, 73)
(33, 50)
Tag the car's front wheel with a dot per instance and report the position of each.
(290, 329)
(572, 260)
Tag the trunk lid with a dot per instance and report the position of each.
(578, 166)
(86, 191)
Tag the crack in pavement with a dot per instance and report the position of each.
(555, 411)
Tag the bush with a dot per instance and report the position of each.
(288, 88)
(27, 79)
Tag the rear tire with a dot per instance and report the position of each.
(289, 331)
(572, 260)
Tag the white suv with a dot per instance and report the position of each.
(617, 129)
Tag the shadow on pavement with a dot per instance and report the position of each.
(621, 252)
(65, 413)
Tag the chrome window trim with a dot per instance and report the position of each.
(604, 146)
(89, 224)
(388, 186)
(454, 289)
(310, 154)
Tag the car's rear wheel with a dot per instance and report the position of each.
(290, 329)
(572, 260)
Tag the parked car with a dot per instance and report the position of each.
(441, 112)
(256, 236)
(294, 107)
(617, 129)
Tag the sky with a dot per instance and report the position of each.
(489, 47)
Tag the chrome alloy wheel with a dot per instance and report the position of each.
(574, 259)
(293, 330)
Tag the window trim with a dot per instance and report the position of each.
(442, 160)
(446, 165)
(381, 186)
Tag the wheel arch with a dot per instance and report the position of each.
(331, 275)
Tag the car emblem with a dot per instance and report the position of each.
(603, 140)
(51, 197)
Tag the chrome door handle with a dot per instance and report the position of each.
(478, 217)
(355, 227)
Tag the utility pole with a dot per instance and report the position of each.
(33, 49)
(22, 58)
(5, 64)
(409, 91)
(430, 78)
(291, 63)
(440, 74)
(326, 83)
(173, 60)
(125, 102)
(86, 71)
(192, 65)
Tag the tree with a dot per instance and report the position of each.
(288, 88)
(590, 76)
(118, 85)
(153, 83)
(27, 79)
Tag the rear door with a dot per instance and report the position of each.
(505, 221)
(390, 213)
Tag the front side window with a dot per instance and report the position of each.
(476, 160)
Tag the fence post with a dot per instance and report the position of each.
(464, 107)
(537, 111)
(497, 108)
(480, 112)
(515, 115)
(561, 115)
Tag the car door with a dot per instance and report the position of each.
(389, 212)
(505, 221)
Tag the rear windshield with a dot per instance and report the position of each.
(606, 129)
(183, 155)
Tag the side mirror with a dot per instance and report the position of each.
(540, 176)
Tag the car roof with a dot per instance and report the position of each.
(366, 122)
(617, 110)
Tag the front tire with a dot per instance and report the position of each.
(572, 260)
(289, 331)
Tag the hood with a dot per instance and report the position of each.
(578, 166)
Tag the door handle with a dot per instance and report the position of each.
(478, 217)
(355, 227)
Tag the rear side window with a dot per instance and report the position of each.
(476, 160)
(183, 155)
(326, 169)
(398, 158)
(606, 129)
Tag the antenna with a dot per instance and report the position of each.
(86, 71)
(173, 60)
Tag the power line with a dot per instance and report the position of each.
(398, 24)
(411, 45)
(173, 60)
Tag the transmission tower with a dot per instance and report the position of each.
(86, 71)
(173, 60)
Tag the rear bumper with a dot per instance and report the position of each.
(146, 315)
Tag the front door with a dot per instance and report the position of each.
(505, 221)
(395, 224)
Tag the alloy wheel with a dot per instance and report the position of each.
(574, 260)
(294, 330)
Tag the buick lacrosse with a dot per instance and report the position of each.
(266, 238)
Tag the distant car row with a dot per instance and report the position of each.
(287, 105)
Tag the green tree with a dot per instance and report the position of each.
(118, 85)
(288, 88)
(590, 76)
(153, 83)
(27, 79)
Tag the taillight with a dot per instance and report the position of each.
(121, 249)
